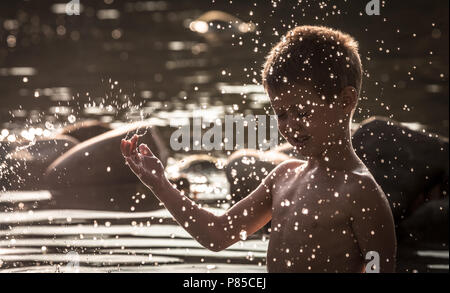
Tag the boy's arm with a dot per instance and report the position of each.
(213, 232)
(373, 227)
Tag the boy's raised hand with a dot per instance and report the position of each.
(142, 162)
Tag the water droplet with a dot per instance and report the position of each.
(71, 118)
(49, 125)
(243, 235)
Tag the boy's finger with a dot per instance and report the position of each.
(133, 146)
(122, 147)
(126, 148)
(145, 150)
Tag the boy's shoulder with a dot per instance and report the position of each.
(362, 189)
(289, 165)
(284, 170)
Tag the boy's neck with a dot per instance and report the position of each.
(340, 155)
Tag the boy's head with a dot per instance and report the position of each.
(319, 57)
(313, 77)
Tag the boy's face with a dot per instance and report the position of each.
(307, 121)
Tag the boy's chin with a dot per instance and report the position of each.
(301, 147)
(303, 152)
(299, 144)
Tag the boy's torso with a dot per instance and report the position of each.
(311, 221)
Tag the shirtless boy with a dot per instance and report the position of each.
(327, 212)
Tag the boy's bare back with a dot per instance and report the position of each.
(316, 216)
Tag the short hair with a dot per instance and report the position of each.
(321, 57)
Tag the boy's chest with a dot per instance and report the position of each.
(310, 201)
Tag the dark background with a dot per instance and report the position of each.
(157, 61)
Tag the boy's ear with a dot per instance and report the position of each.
(348, 97)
